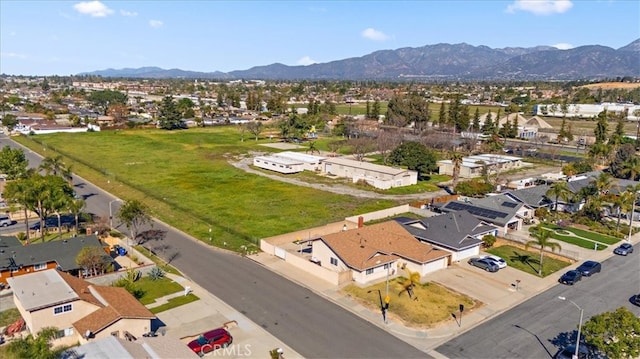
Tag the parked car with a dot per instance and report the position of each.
(571, 277)
(636, 299)
(5, 220)
(484, 263)
(569, 351)
(589, 268)
(624, 249)
(501, 263)
(210, 341)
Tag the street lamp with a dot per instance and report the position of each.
(111, 212)
(579, 325)
(633, 209)
(383, 306)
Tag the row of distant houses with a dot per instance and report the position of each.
(367, 254)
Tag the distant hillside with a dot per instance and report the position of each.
(438, 62)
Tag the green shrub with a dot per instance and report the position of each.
(474, 188)
(156, 273)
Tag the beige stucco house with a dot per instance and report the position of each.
(374, 252)
(80, 310)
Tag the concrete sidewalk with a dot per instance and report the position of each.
(188, 321)
(498, 292)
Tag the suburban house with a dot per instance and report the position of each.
(473, 166)
(501, 211)
(17, 259)
(457, 232)
(534, 196)
(378, 176)
(80, 310)
(165, 347)
(372, 253)
(289, 162)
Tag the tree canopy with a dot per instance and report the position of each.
(616, 334)
(13, 163)
(134, 214)
(102, 99)
(415, 156)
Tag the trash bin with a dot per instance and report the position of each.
(122, 251)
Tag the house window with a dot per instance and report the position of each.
(334, 261)
(39, 266)
(526, 213)
(62, 309)
(369, 271)
(386, 266)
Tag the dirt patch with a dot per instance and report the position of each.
(612, 85)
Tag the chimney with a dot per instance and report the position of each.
(360, 222)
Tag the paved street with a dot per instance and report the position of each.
(539, 327)
(307, 322)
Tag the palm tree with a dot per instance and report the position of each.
(76, 206)
(542, 241)
(413, 279)
(620, 203)
(52, 165)
(456, 160)
(631, 168)
(603, 183)
(559, 190)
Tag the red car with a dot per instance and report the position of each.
(210, 341)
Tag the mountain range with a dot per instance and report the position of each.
(445, 62)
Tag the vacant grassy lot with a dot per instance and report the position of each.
(433, 305)
(528, 261)
(187, 181)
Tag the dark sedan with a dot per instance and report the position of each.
(571, 277)
(624, 249)
(484, 263)
(589, 268)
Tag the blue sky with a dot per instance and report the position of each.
(69, 37)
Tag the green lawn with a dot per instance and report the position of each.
(186, 179)
(586, 234)
(528, 261)
(9, 316)
(175, 302)
(156, 288)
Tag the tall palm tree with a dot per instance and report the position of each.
(456, 160)
(620, 203)
(542, 241)
(559, 190)
(76, 206)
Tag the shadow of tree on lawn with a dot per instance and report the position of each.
(526, 259)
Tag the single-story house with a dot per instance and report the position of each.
(534, 196)
(80, 310)
(472, 166)
(378, 176)
(501, 211)
(289, 162)
(457, 232)
(17, 259)
(375, 252)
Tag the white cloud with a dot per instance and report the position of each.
(540, 7)
(12, 55)
(93, 8)
(373, 34)
(306, 60)
(155, 23)
(563, 46)
(128, 13)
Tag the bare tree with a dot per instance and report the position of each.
(361, 146)
(387, 141)
(255, 128)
